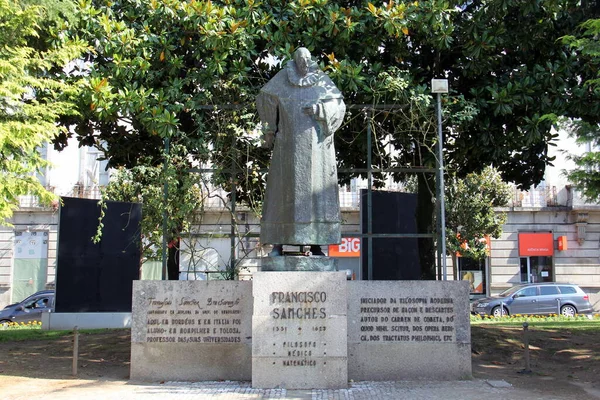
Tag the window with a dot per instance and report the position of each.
(30, 304)
(547, 290)
(536, 269)
(41, 303)
(473, 271)
(567, 289)
(527, 292)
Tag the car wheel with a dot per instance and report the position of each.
(4, 323)
(568, 310)
(499, 312)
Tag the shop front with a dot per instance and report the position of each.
(536, 250)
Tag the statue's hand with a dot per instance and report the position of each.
(310, 110)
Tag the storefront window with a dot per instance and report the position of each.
(474, 272)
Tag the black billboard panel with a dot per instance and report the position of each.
(97, 277)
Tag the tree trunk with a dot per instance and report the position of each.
(425, 210)
(454, 266)
(173, 260)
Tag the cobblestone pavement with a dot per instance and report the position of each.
(113, 390)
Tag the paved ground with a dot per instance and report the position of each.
(113, 390)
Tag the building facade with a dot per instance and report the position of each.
(551, 234)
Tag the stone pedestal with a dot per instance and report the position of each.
(299, 263)
(299, 330)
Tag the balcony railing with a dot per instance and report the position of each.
(30, 201)
(535, 197)
(218, 199)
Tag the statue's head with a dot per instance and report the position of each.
(302, 60)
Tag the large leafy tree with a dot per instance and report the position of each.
(160, 66)
(33, 96)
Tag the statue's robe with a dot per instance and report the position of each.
(301, 205)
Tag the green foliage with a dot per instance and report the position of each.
(586, 176)
(470, 214)
(587, 47)
(157, 65)
(144, 184)
(32, 99)
(189, 71)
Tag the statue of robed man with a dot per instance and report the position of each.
(301, 108)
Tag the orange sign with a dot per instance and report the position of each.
(536, 244)
(562, 243)
(350, 247)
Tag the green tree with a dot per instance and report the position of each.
(470, 214)
(145, 183)
(33, 98)
(586, 176)
(183, 199)
(159, 67)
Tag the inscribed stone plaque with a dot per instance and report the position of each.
(405, 330)
(191, 330)
(299, 330)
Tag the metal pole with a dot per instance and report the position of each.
(441, 186)
(233, 201)
(165, 216)
(526, 346)
(369, 205)
(557, 306)
(75, 350)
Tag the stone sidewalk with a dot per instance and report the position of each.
(119, 390)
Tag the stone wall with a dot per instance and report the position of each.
(300, 330)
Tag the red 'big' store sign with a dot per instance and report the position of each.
(350, 247)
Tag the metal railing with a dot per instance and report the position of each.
(535, 197)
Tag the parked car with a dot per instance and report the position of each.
(536, 298)
(30, 309)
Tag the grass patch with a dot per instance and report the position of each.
(572, 325)
(20, 335)
(577, 325)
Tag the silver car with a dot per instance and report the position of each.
(536, 298)
(30, 309)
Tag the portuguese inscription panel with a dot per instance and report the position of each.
(184, 314)
(407, 319)
(195, 329)
(411, 318)
(193, 320)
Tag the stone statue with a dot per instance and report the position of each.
(300, 109)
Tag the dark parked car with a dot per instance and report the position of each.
(30, 309)
(536, 298)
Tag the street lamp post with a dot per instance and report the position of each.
(165, 275)
(440, 86)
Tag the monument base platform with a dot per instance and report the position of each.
(299, 263)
